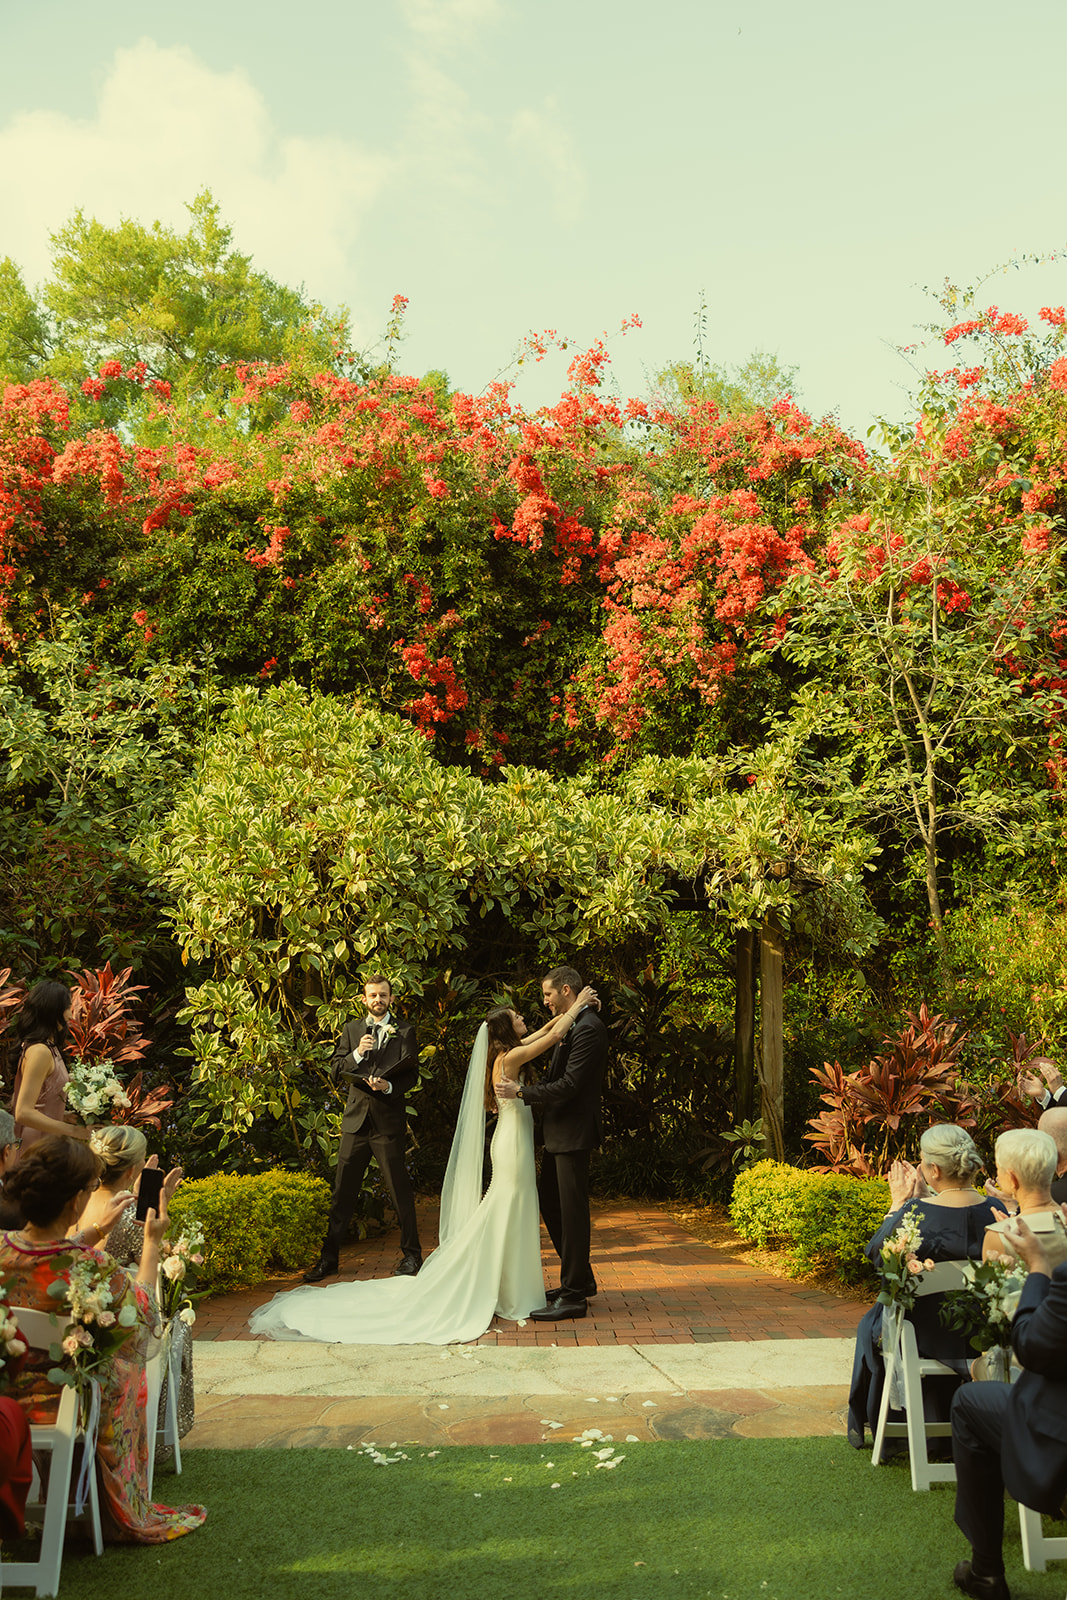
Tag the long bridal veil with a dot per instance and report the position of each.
(462, 1190)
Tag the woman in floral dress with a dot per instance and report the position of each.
(62, 1173)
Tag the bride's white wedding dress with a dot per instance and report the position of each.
(488, 1263)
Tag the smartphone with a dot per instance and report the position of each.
(148, 1192)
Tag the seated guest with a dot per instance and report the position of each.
(1026, 1166)
(123, 1155)
(952, 1217)
(9, 1149)
(1054, 1121)
(123, 1151)
(16, 1469)
(51, 1185)
(1014, 1435)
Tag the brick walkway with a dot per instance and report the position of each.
(658, 1284)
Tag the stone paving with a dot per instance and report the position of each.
(683, 1341)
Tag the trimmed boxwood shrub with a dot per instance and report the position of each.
(822, 1219)
(270, 1220)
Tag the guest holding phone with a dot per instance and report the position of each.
(123, 1152)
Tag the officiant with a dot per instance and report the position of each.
(378, 1057)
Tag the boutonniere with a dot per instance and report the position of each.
(389, 1031)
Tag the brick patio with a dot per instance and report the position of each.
(658, 1284)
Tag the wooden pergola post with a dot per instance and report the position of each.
(744, 1025)
(772, 1048)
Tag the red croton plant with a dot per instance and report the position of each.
(877, 1114)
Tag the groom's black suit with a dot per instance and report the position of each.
(1014, 1436)
(374, 1124)
(570, 1097)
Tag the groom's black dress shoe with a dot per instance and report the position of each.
(321, 1269)
(588, 1292)
(408, 1266)
(557, 1309)
(981, 1588)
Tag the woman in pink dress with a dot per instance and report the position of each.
(40, 1102)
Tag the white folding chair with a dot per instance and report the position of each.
(41, 1330)
(167, 1359)
(904, 1371)
(1038, 1548)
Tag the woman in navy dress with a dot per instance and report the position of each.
(952, 1216)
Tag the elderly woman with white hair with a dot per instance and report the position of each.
(1026, 1165)
(953, 1217)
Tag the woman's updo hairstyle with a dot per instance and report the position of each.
(118, 1148)
(48, 1176)
(952, 1149)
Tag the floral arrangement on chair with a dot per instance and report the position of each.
(12, 1345)
(985, 1307)
(178, 1271)
(100, 1321)
(94, 1087)
(902, 1267)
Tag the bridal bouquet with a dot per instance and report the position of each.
(178, 1271)
(902, 1267)
(101, 1320)
(985, 1307)
(93, 1087)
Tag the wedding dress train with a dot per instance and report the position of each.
(488, 1262)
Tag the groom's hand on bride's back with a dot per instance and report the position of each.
(506, 1089)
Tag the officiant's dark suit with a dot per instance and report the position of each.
(569, 1096)
(1015, 1435)
(374, 1123)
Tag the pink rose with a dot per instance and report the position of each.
(915, 1266)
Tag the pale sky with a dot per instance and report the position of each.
(511, 165)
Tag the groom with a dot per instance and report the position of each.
(378, 1056)
(570, 1095)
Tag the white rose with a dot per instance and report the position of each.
(174, 1267)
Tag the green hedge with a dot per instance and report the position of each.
(271, 1220)
(822, 1219)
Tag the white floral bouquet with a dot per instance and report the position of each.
(94, 1086)
(985, 1307)
(101, 1320)
(12, 1345)
(902, 1267)
(180, 1258)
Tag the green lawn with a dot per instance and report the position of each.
(794, 1519)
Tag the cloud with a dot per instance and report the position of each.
(167, 126)
(539, 136)
(444, 23)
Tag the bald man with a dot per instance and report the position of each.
(1054, 1121)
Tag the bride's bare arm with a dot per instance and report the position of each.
(511, 1063)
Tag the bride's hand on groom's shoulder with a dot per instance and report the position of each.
(588, 997)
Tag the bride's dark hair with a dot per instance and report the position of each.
(500, 1024)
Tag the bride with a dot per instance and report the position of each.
(488, 1261)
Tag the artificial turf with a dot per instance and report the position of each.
(724, 1519)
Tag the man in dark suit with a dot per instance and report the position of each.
(570, 1097)
(1014, 1436)
(380, 1059)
